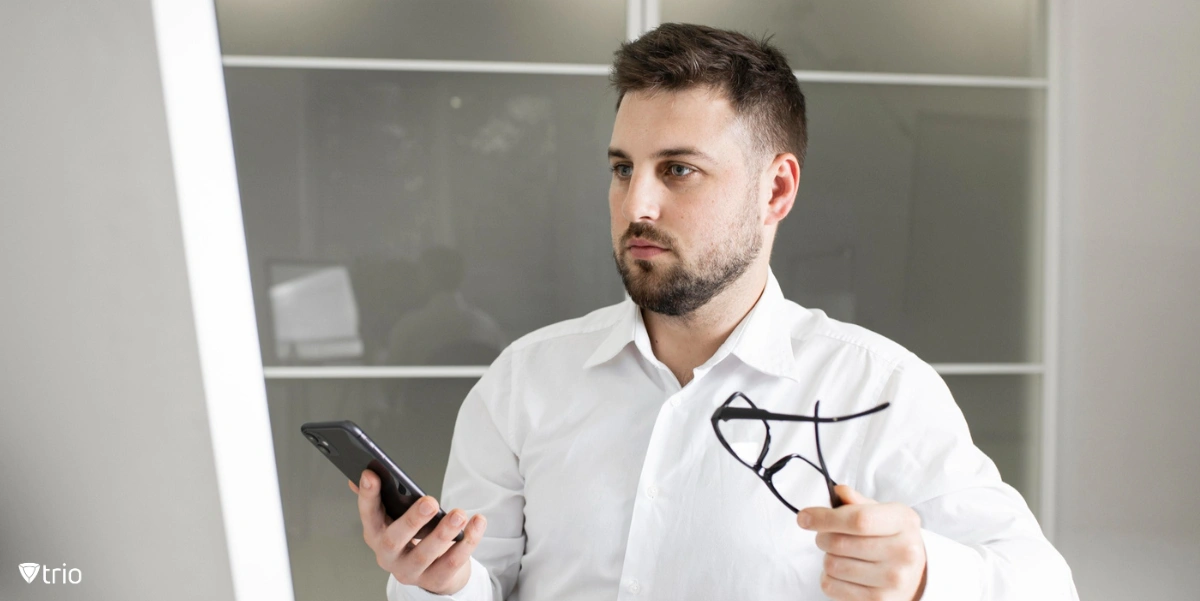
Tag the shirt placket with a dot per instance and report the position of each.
(653, 500)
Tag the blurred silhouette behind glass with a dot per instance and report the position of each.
(447, 330)
(386, 288)
(313, 312)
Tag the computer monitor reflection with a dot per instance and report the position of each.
(314, 312)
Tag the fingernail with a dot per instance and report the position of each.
(456, 520)
(804, 520)
(427, 508)
(366, 483)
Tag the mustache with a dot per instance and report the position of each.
(647, 232)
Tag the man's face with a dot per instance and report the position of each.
(686, 221)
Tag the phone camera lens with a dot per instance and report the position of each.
(324, 448)
(313, 438)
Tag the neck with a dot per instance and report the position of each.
(683, 343)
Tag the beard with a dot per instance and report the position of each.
(679, 289)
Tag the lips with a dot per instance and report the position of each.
(644, 249)
(643, 243)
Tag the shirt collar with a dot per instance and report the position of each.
(619, 335)
(761, 340)
(765, 342)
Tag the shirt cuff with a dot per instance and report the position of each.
(954, 571)
(478, 588)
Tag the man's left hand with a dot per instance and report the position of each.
(873, 551)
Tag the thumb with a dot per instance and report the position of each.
(850, 496)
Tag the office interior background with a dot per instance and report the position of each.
(1007, 188)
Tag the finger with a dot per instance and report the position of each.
(866, 573)
(446, 566)
(433, 546)
(397, 539)
(865, 548)
(370, 510)
(414, 518)
(353, 487)
(845, 591)
(850, 496)
(870, 519)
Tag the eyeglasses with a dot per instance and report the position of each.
(754, 440)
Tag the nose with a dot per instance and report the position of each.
(643, 197)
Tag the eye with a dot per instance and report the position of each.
(678, 170)
(621, 170)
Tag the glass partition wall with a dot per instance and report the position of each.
(425, 181)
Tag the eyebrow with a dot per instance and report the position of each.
(666, 153)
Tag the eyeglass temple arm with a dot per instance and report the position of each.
(731, 413)
(834, 500)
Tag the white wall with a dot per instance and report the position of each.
(1129, 464)
(110, 402)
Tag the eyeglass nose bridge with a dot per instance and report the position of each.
(768, 476)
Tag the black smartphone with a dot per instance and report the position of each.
(352, 451)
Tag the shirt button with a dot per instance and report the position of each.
(652, 491)
(634, 587)
(675, 401)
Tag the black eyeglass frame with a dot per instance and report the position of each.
(767, 474)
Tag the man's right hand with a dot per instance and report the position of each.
(435, 563)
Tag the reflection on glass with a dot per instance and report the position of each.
(412, 420)
(469, 209)
(918, 218)
(984, 37)
(1003, 413)
(446, 330)
(563, 31)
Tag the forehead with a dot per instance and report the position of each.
(699, 117)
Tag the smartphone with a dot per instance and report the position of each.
(352, 451)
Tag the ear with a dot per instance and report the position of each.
(784, 174)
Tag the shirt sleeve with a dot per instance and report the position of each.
(981, 540)
(479, 586)
(482, 476)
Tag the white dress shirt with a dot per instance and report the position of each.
(602, 478)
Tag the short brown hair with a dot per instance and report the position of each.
(753, 75)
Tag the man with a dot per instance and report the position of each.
(587, 451)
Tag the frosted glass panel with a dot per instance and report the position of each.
(1003, 413)
(571, 31)
(471, 209)
(412, 420)
(918, 217)
(985, 37)
(467, 209)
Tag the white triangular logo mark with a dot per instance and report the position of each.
(30, 570)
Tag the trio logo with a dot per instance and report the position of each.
(29, 571)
